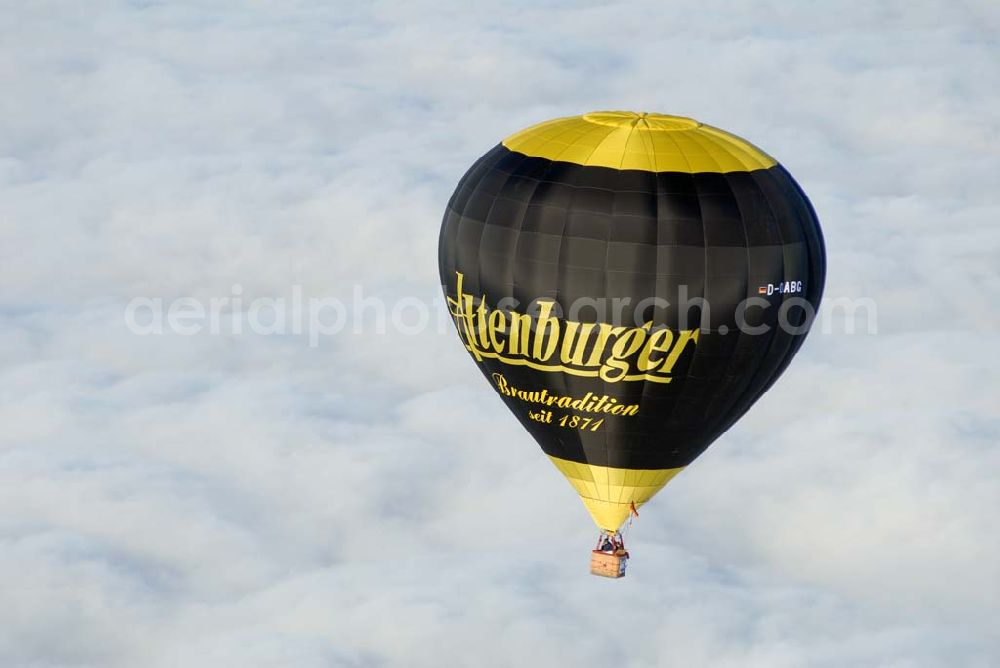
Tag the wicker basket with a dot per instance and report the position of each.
(608, 565)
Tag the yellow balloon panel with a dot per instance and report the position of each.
(608, 493)
(647, 142)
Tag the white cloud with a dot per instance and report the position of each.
(247, 500)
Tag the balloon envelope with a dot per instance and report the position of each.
(630, 284)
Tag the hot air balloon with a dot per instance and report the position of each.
(629, 284)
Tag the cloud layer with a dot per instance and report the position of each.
(251, 500)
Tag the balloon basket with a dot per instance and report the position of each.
(607, 564)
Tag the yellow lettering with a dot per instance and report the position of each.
(498, 324)
(686, 336)
(520, 331)
(547, 325)
(605, 333)
(597, 350)
(574, 345)
(658, 342)
(501, 382)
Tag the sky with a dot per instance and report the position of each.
(362, 497)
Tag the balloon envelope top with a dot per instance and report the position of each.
(629, 284)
